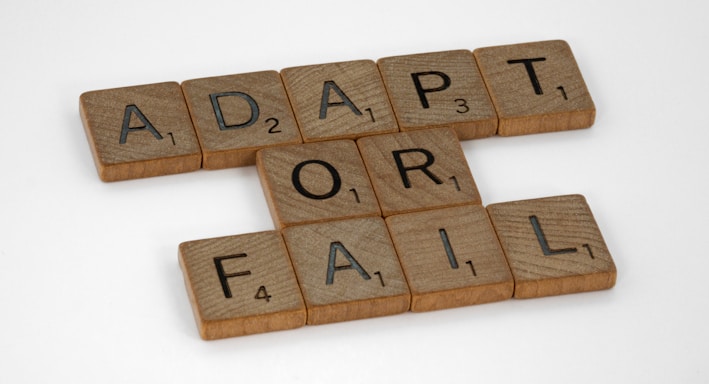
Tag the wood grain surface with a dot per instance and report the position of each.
(261, 293)
(417, 170)
(140, 131)
(315, 182)
(451, 258)
(439, 89)
(553, 246)
(343, 100)
(324, 257)
(236, 115)
(536, 87)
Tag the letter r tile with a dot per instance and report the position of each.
(343, 100)
(536, 87)
(347, 270)
(315, 182)
(236, 115)
(140, 131)
(241, 285)
(451, 257)
(439, 89)
(418, 170)
(553, 246)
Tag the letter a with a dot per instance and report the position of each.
(331, 268)
(132, 109)
(325, 102)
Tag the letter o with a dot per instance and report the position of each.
(336, 181)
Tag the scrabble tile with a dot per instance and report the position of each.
(451, 258)
(140, 131)
(553, 246)
(241, 285)
(315, 182)
(339, 100)
(236, 115)
(347, 270)
(418, 170)
(536, 87)
(439, 89)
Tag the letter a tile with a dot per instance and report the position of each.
(241, 285)
(418, 170)
(347, 270)
(339, 100)
(439, 89)
(553, 246)
(140, 131)
(451, 258)
(536, 87)
(236, 115)
(314, 182)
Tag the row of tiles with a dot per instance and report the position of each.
(366, 267)
(221, 122)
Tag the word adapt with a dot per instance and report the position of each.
(221, 122)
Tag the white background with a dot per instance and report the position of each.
(90, 287)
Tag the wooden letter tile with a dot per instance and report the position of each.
(241, 285)
(536, 87)
(553, 246)
(451, 257)
(418, 170)
(347, 270)
(236, 115)
(315, 182)
(339, 100)
(140, 131)
(439, 89)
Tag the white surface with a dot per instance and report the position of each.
(90, 287)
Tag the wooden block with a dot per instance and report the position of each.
(235, 116)
(347, 270)
(339, 100)
(315, 182)
(451, 258)
(553, 246)
(418, 170)
(140, 131)
(241, 285)
(536, 87)
(439, 89)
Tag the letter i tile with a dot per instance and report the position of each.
(451, 257)
(553, 246)
(347, 270)
(241, 285)
(236, 115)
(536, 87)
(140, 131)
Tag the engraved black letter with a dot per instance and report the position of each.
(530, 71)
(325, 103)
(331, 268)
(423, 168)
(449, 250)
(336, 181)
(543, 240)
(223, 276)
(130, 109)
(220, 116)
(422, 92)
